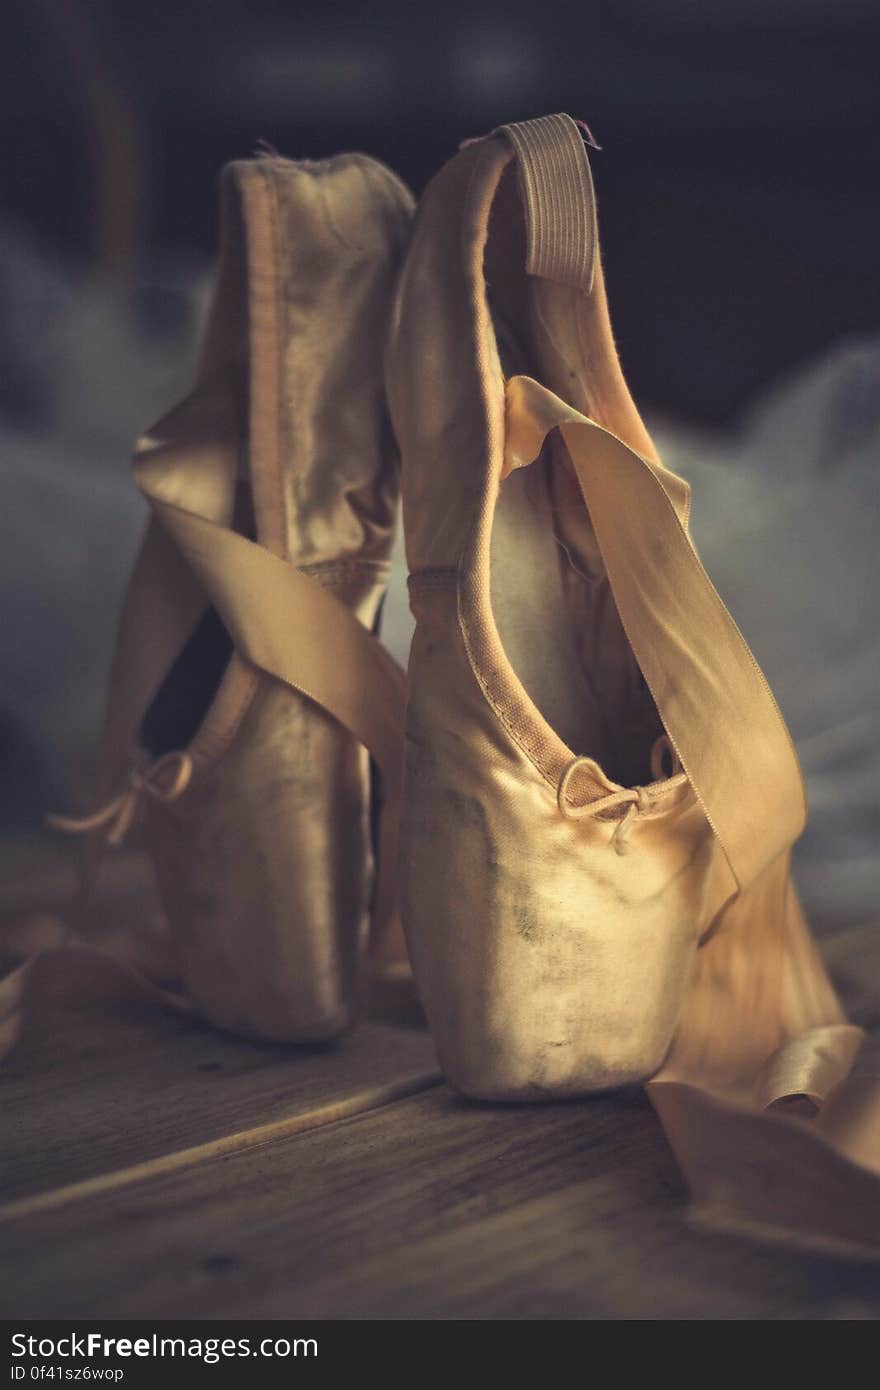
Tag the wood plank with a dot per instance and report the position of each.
(111, 1081)
(615, 1248)
(146, 1086)
(38, 874)
(164, 1169)
(431, 1207)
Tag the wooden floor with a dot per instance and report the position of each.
(153, 1167)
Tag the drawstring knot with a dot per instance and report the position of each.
(636, 799)
(164, 781)
(620, 838)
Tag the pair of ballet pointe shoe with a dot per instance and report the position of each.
(580, 799)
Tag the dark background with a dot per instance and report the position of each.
(739, 202)
(738, 182)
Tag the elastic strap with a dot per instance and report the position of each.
(558, 199)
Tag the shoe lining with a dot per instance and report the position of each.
(179, 706)
(552, 602)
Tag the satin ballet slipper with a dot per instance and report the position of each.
(249, 697)
(600, 793)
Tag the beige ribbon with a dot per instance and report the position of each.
(716, 706)
(285, 624)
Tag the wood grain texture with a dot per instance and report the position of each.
(113, 1085)
(151, 1085)
(38, 874)
(170, 1170)
(431, 1207)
